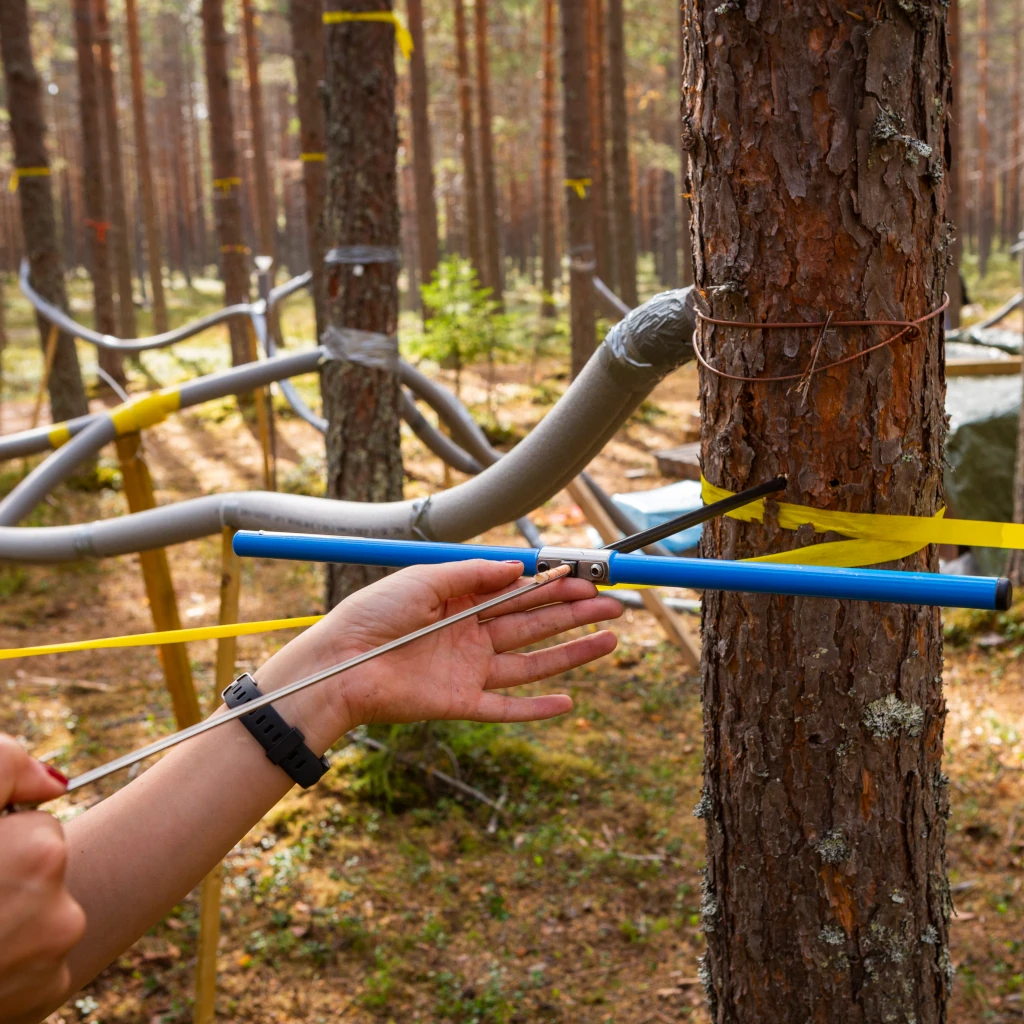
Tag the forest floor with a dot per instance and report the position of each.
(581, 904)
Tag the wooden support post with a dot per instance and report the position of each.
(138, 489)
(667, 619)
(51, 352)
(209, 905)
(264, 421)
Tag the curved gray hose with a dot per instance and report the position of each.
(652, 341)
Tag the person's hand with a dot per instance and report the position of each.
(455, 672)
(39, 920)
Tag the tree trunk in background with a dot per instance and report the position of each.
(685, 244)
(826, 896)
(576, 136)
(35, 197)
(603, 253)
(653, 193)
(1013, 175)
(667, 234)
(266, 219)
(308, 54)
(469, 181)
(984, 198)
(195, 152)
(423, 161)
(97, 227)
(548, 240)
(174, 40)
(361, 403)
(625, 229)
(145, 170)
(119, 234)
(226, 181)
(955, 177)
(489, 240)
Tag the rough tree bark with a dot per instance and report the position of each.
(603, 252)
(549, 236)
(818, 172)
(955, 175)
(308, 54)
(265, 214)
(35, 198)
(576, 136)
(422, 158)
(226, 181)
(361, 402)
(119, 232)
(143, 163)
(622, 198)
(470, 191)
(489, 241)
(984, 198)
(97, 227)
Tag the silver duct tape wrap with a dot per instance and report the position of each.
(366, 348)
(359, 255)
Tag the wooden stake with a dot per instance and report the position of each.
(264, 421)
(667, 619)
(51, 353)
(209, 903)
(156, 572)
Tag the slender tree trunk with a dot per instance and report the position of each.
(1013, 174)
(578, 169)
(96, 224)
(423, 163)
(195, 152)
(119, 234)
(598, 150)
(469, 180)
(955, 188)
(625, 229)
(308, 54)
(489, 238)
(1015, 562)
(668, 236)
(548, 243)
(825, 896)
(685, 244)
(364, 459)
(226, 178)
(984, 193)
(35, 197)
(174, 38)
(265, 214)
(145, 169)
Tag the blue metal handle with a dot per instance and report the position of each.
(923, 588)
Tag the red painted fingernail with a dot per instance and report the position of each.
(59, 776)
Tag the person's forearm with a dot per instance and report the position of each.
(178, 820)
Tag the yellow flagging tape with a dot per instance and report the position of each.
(402, 35)
(59, 435)
(25, 172)
(168, 636)
(226, 184)
(579, 186)
(312, 158)
(874, 538)
(145, 411)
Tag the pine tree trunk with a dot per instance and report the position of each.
(35, 198)
(97, 226)
(669, 236)
(603, 253)
(489, 240)
(145, 170)
(1013, 174)
(265, 213)
(685, 244)
(195, 152)
(422, 158)
(955, 177)
(364, 459)
(625, 229)
(234, 261)
(470, 191)
(1015, 561)
(179, 167)
(985, 198)
(578, 169)
(548, 240)
(826, 896)
(119, 233)
(308, 54)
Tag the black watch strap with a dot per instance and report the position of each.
(284, 744)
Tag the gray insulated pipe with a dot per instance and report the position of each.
(653, 340)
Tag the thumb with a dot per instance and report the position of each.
(23, 779)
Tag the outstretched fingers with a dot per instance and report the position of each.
(509, 632)
(499, 707)
(517, 669)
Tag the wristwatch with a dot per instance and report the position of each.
(285, 745)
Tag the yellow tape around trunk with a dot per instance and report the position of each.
(168, 636)
(874, 538)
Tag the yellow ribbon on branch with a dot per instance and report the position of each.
(25, 172)
(579, 185)
(874, 538)
(402, 34)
